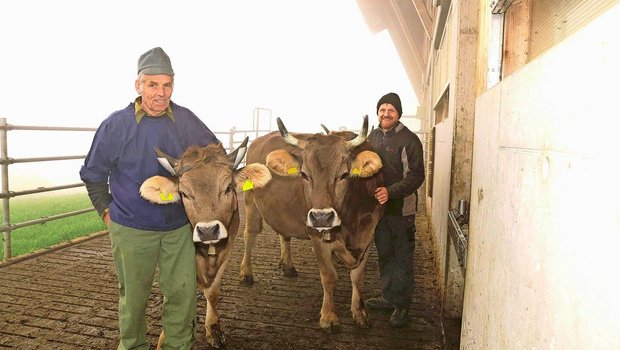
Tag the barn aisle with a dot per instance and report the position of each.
(66, 299)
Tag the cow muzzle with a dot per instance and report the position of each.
(209, 232)
(323, 219)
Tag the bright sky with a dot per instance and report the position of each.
(73, 62)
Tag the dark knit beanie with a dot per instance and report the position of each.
(392, 99)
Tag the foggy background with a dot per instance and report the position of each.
(72, 63)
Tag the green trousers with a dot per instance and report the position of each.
(136, 254)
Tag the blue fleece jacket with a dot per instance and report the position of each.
(123, 154)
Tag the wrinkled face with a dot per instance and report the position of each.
(325, 172)
(156, 91)
(209, 197)
(388, 116)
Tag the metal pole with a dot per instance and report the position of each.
(231, 140)
(4, 155)
(255, 122)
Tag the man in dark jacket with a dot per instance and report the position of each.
(403, 171)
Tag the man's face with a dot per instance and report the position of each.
(156, 91)
(388, 116)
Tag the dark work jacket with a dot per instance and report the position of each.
(401, 152)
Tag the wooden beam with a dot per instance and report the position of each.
(411, 57)
(409, 61)
(425, 17)
(516, 36)
(409, 41)
(373, 15)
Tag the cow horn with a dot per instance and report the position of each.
(288, 138)
(167, 161)
(237, 155)
(361, 137)
(325, 129)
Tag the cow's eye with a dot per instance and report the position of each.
(229, 189)
(304, 176)
(344, 176)
(185, 195)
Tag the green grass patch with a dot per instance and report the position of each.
(31, 238)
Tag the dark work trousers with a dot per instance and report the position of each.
(395, 241)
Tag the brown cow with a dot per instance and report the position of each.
(206, 180)
(322, 189)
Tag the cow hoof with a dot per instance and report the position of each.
(289, 271)
(331, 328)
(362, 319)
(362, 322)
(216, 339)
(217, 342)
(247, 280)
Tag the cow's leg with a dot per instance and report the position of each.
(286, 257)
(253, 226)
(213, 329)
(329, 320)
(358, 308)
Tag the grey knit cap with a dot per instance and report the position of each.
(154, 62)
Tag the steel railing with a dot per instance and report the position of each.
(231, 139)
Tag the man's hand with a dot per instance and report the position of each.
(381, 194)
(106, 218)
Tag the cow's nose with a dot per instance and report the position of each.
(322, 217)
(208, 233)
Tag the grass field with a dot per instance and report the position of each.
(31, 238)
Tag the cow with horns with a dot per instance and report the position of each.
(325, 184)
(206, 180)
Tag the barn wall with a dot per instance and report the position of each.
(441, 191)
(441, 116)
(453, 81)
(545, 211)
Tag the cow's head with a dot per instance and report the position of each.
(325, 163)
(206, 180)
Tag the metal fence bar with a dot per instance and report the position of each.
(39, 159)
(44, 128)
(40, 190)
(4, 170)
(45, 219)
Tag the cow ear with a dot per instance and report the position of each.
(160, 190)
(283, 163)
(366, 164)
(252, 176)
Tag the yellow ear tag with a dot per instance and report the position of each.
(163, 197)
(248, 185)
(292, 170)
(355, 171)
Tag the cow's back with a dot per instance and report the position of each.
(263, 145)
(281, 201)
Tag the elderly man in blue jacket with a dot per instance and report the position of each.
(146, 235)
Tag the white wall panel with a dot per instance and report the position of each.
(545, 211)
